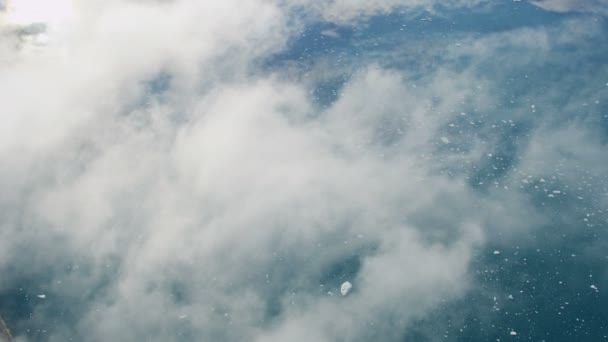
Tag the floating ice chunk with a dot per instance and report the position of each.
(183, 316)
(41, 296)
(594, 288)
(445, 140)
(513, 333)
(345, 288)
(496, 252)
(510, 296)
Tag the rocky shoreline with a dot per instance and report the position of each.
(5, 333)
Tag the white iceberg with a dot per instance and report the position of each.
(345, 288)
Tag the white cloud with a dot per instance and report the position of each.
(240, 193)
(590, 6)
(207, 201)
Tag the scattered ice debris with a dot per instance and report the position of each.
(496, 252)
(513, 333)
(445, 140)
(345, 288)
(593, 287)
(41, 296)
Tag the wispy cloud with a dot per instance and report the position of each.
(591, 6)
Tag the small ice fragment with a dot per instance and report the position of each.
(41, 296)
(445, 140)
(496, 252)
(557, 192)
(513, 333)
(594, 288)
(345, 288)
(510, 296)
(183, 316)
